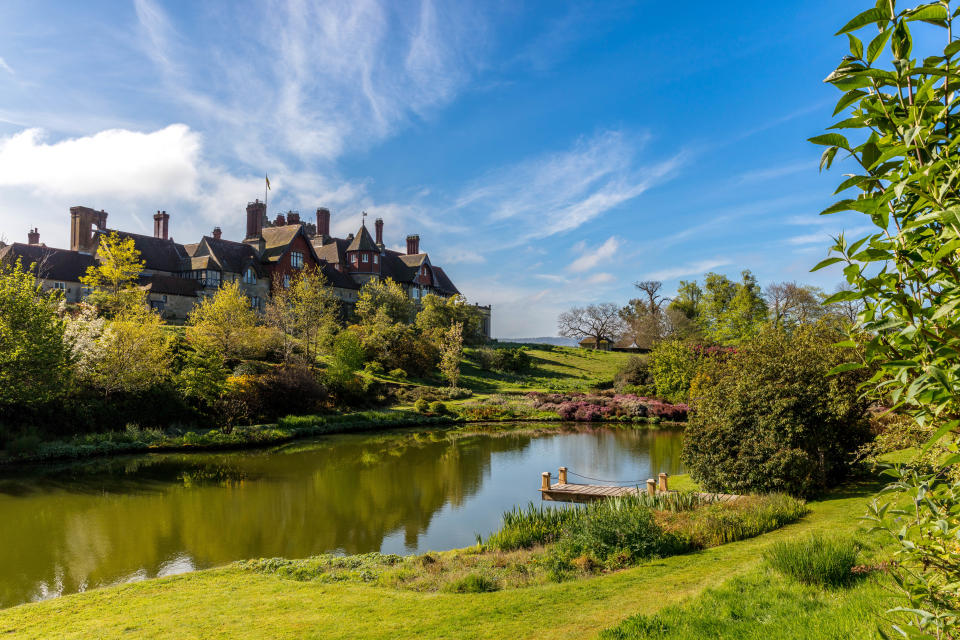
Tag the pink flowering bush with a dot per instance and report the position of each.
(608, 406)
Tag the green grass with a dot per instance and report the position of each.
(240, 604)
(816, 560)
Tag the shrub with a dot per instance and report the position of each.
(421, 406)
(438, 408)
(474, 583)
(769, 418)
(635, 372)
(672, 366)
(373, 368)
(400, 374)
(483, 358)
(816, 560)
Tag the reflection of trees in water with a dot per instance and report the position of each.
(95, 523)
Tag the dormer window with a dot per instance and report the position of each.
(249, 276)
(296, 259)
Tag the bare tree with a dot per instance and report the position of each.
(791, 304)
(651, 289)
(598, 321)
(644, 317)
(846, 310)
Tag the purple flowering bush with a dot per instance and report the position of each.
(582, 407)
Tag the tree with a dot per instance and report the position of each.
(902, 178)
(223, 322)
(387, 296)
(644, 317)
(347, 356)
(598, 321)
(687, 300)
(306, 309)
(113, 280)
(34, 357)
(131, 355)
(729, 312)
(791, 304)
(437, 314)
(451, 352)
(768, 417)
(672, 365)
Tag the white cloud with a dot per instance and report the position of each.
(690, 269)
(600, 278)
(561, 191)
(5, 67)
(593, 256)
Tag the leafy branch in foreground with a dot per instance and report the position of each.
(905, 176)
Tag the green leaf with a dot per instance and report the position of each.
(939, 433)
(842, 296)
(951, 48)
(847, 366)
(876, 45)
(927, 13)
(869, 154)
(856, 47)
(902, 41)
(842, 205)
(826, 263)
(830, 140)
(869, 16)
(851, 97)
(826, 160)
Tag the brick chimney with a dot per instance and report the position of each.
(379, 226)
(293, 217)
(33, 236)
(413, 245)
(82, 221)
(256, 214)
(161, 224)
(323, 221)
(217, 233)
(280, 221)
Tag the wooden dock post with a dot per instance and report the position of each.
(545, 482)
(663, 482)
(563, 475)
(651, 487)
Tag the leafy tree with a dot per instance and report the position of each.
(597, 321)
(34, 357)
(224, 322)
(316, 311)
(347, 354)
(768, 417)
(397, 346)
(130, 355)
(791, 304)
(437, 314)
(451, 352)
(387, 296)
(203, 379)
(673, 364)
(113, 280)
(731, 312)
(901, 166)
(687, 300)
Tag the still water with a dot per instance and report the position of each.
(68, 528)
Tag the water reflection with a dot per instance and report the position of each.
(72, 527)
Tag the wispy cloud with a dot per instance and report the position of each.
(6, 67)
(557, 192)
(593, 256)
(690, 269)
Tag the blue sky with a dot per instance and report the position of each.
(548, 154)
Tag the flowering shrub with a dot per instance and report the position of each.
(591, 408)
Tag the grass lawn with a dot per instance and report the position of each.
(230, 603)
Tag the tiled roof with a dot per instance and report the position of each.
(276, 241)
(337, 278)
(170, 285)
(333, 251)
(53, 264)
(443, 282)
(363, 241)
(232, 257)
(158, 254)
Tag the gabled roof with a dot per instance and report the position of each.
(363, 241)
(443, 282)
(277, 241)
(414, 260)
(336, 278)
(333, 251)
(227, 255)
(49, 263)
(157, 254)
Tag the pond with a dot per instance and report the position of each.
(68, 528)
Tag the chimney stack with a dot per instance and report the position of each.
(413, 245)
(33, 236)
(217, 232)
(293, 217)
(280, 221)
(256, 214)
(323, 221)
(161, 224)
(379, 226)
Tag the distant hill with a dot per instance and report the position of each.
(554, 340)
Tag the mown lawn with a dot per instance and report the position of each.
(228, 603)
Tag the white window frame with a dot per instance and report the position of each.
(366, 258)
(296, 259)
(286, 281)
(250, 276)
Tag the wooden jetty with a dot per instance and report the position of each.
(564, 491)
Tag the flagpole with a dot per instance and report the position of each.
(266, 181)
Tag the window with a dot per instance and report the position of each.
(250, 276)
(286, 281)
(164, 297)
(296, 259)
(156, 305)
(376, 259)
(255, 302)
(366, 258)
(60, 286)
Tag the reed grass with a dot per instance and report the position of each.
(815, 560)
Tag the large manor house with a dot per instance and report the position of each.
(176, 276)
